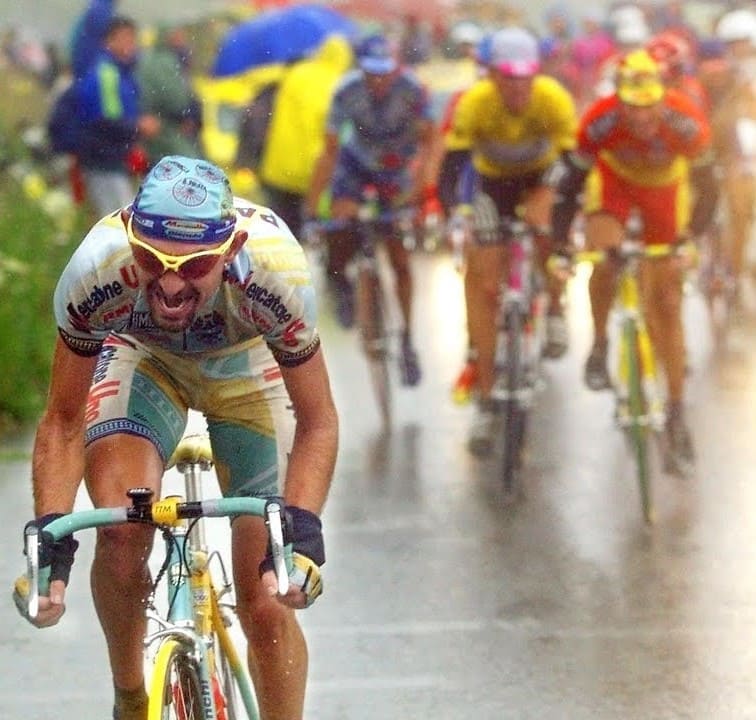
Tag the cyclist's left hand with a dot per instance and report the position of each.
(304, 532)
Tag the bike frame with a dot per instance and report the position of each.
(640, 402)
(194, 614)
(519, 297)
(518, 345)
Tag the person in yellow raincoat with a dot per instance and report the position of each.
(297, 128)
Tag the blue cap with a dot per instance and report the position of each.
(375, 56)
(185, 200)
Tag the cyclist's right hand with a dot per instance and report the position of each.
(55, 562)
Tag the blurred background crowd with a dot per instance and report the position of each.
(209, 83)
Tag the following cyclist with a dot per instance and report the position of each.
(379, 123)
(517, 123)
(188, 298)
(634, 152)
(734, 131)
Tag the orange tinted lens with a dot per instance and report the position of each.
(197, 267)
(146, 260)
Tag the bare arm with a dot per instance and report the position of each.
(429, 152)
(58, 459)
(321, 176)
(313, 454)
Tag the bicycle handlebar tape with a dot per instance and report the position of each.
(58, 555)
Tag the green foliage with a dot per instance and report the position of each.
(33, 251)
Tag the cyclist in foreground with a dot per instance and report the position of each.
(379, 123)
(189, 298)
(517, 123)
(634, 152)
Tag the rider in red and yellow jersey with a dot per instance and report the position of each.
(638, 150)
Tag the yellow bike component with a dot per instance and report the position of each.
(161, 691)
(224, 639)
(201, 592)
(165, 511)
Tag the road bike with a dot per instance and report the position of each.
(520, 332)
(373, 224)
(639, 402)
(196, 672)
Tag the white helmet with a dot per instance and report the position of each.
(466, 33)
(737, 25)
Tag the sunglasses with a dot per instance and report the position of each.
(188, 267)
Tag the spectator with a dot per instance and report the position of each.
(88, 35)
(166, 92)
(111, 118)
(299, 119)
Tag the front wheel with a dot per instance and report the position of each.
(175, 690)
(515, 412)
(638, 428)
(371, 314)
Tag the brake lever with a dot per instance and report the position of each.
(273, 511)
(31, 545)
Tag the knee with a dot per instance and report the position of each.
(263, 619)
(124, 549)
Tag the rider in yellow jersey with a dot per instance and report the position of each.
(518, 123)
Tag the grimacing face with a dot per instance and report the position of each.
(174, 301)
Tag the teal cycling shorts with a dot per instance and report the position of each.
(148, 392)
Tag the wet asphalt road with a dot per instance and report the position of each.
(443, 603)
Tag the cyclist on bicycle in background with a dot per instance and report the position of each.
(677, 64)
(379, 122)
(517, 122)
(733, 123)
(636, 149)
(188, 298)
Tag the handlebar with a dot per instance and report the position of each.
(169, 511)
(627, 250)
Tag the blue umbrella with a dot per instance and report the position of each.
(279, 36)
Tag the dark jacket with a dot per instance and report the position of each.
(109, 107)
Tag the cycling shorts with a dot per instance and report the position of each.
(498, 199)
(664, 209)
(240, 391)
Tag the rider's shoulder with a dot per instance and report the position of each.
(268, 237)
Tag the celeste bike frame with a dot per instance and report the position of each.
(196, 672)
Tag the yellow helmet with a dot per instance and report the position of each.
(639, 80)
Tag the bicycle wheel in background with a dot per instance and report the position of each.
(637, 427)
(717, 286)
(514, 411)
(372, 322)
(175, 692)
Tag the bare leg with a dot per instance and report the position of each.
(399, 258)
(277, 652)
(602, 232)
(484, 270)
(119, 576)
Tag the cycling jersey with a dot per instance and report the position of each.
(266, 292)
(379, 134)
(549, 120)
(683, 134)
(225, 365)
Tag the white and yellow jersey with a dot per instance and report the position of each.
(265, 293)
